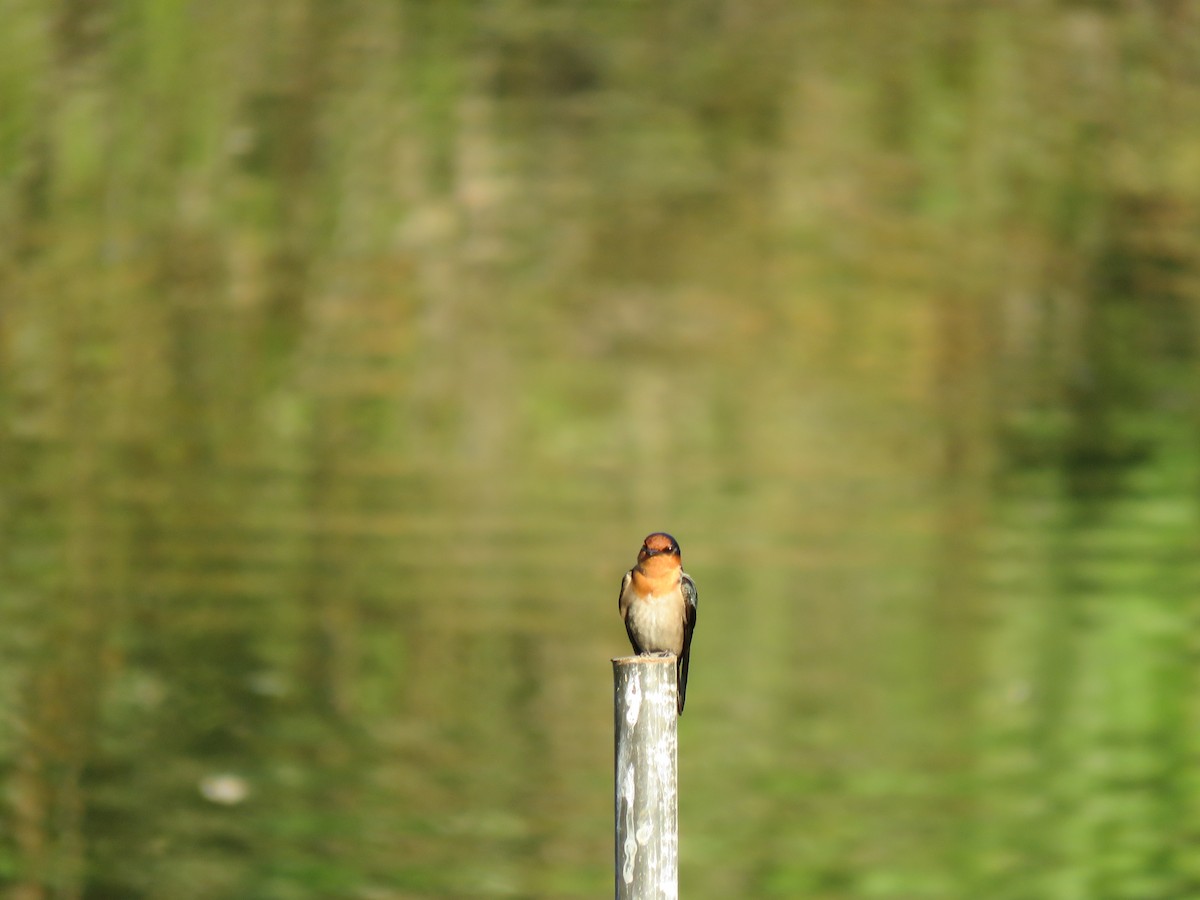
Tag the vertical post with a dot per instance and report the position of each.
(646, 778)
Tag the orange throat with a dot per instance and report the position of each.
(656, 576)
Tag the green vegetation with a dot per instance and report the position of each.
(347, 352)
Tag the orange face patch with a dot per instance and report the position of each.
(656, 576)
(659, 542)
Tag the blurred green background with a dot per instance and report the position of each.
(349, 350)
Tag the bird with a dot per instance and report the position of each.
(658, 602)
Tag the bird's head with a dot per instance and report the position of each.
(659, 544)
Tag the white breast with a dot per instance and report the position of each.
(658, 623)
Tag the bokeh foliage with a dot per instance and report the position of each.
(347, 351)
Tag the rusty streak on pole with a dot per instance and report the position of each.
(646, 778)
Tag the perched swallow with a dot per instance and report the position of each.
(658, 603)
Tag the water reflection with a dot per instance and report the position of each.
(346, 357)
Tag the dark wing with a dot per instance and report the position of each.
(623, 599)
(691, 601)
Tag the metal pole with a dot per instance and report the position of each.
(646, 778)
